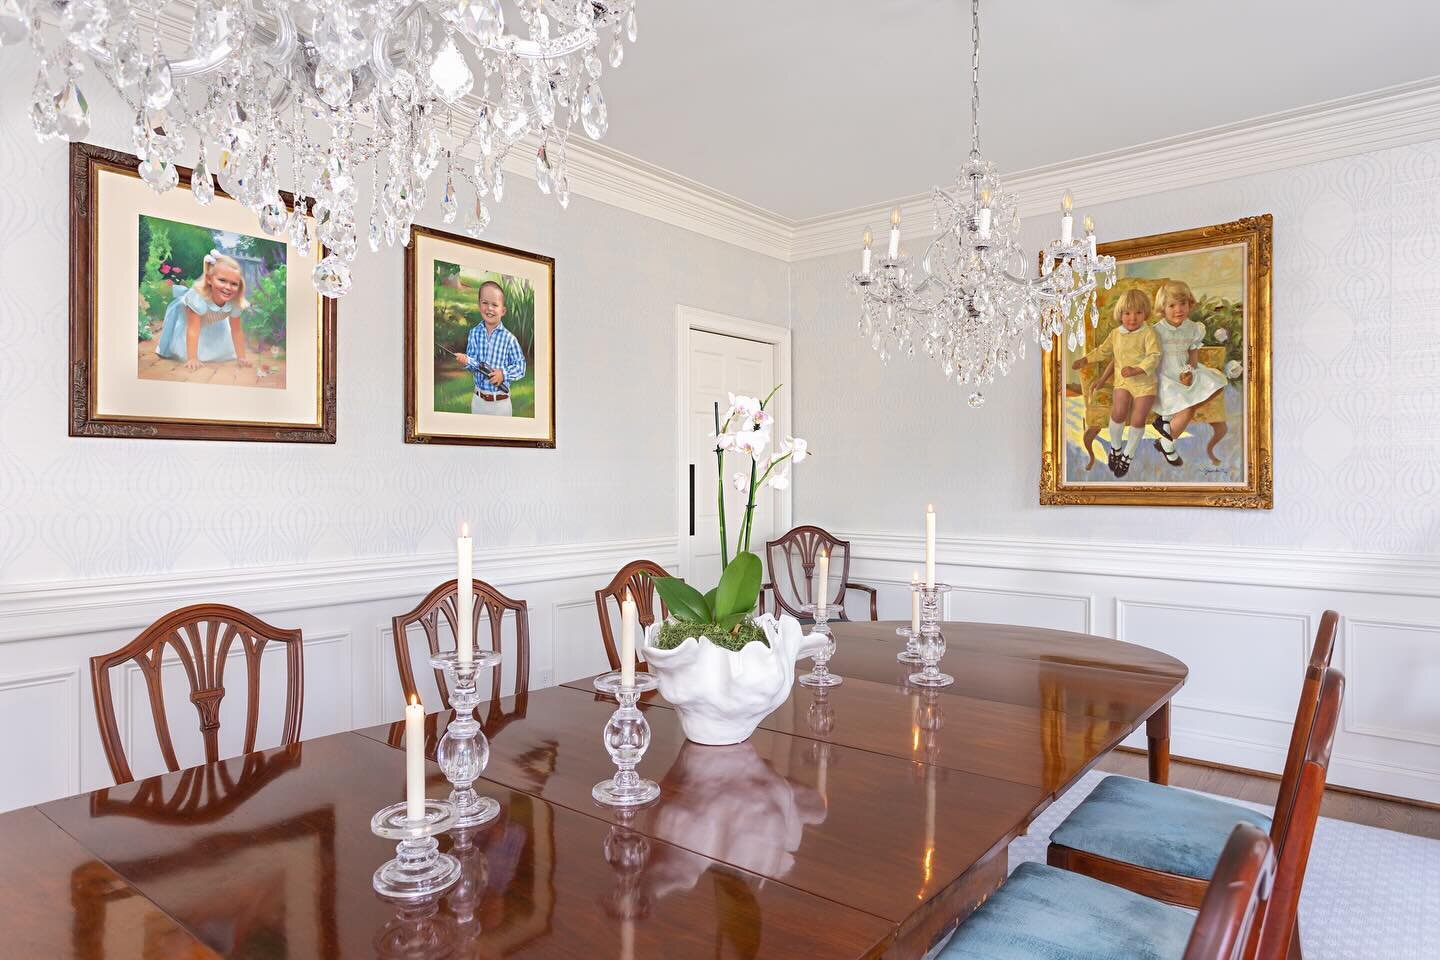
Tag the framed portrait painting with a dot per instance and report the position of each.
(186, 321)
(1167, 400)
(479, 343)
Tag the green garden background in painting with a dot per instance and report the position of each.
(457, 310)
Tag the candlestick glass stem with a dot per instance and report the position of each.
(626, 737)
(419, 868)
(931, 645)
(911, 653)
(820, 675)
(463, 750)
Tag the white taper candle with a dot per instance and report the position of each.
(414, 761)
(629, 624)
(465, 596)
(930, 545)
(822, 583)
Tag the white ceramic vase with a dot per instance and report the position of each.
(722, 695)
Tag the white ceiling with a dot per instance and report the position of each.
(809, 107)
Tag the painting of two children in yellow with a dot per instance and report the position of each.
(1156, 393)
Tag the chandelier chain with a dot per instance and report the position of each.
(975, 77)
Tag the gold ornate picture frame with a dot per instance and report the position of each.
(1210, 376)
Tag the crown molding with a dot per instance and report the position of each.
(1380, 119)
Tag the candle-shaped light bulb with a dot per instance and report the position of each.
(915, 602)
(822, 583)
(894, 233)
(1089, 224)
(465, 596)
(869, 238)
(1067, 203)
(1067, 222)
(929, 545)
(985, 196)
(629, 623)
(982, 224)
(414, 760)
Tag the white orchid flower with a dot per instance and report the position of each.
(798, 448)
(741, 481)
(725, 441)
(778, 480)
(752, 442)
(746, 407)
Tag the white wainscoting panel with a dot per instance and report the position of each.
(40, 714)
(49, 631)
(1243, 620)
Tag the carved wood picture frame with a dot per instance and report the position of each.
(301, 411)
(1231, 314)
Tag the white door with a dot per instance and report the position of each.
(719, 366)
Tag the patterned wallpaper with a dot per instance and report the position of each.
(99, 507)
(1356, 382)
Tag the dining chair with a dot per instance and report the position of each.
(490, 605)
(1042, 911)
(638, 577)
(1163, 842)
(1161, 846)
(202, 637)
(791, 560)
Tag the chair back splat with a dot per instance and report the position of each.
(638, 577)
(490, 606)
(201, 637)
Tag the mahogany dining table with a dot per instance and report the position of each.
(862, 820)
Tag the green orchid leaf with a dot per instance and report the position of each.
(710, 602)
(739, 587)
(683, 600)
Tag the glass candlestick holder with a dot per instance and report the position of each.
(931, 644)
(419, 869)
(911, 653)
(820, 675)
(463, 751)
(626, 737)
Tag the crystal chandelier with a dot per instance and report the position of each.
(973, 302)
(312, 93)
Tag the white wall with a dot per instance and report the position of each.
(99, 536)
(1233, 593)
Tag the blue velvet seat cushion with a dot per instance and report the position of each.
(1148, 825)
(1043, 913)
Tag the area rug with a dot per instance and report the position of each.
(1370, 894)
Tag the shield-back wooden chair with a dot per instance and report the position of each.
(1040, 911)
(490, 605)
(638, 577)
(791, 560)
(201, 637)
(1162, 841)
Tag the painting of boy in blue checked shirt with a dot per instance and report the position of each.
(493, 354)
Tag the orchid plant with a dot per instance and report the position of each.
(724, 613)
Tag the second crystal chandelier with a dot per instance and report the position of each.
(973, 303)
(311, 95)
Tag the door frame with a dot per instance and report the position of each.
(707, 321)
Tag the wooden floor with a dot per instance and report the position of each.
(1371, 811)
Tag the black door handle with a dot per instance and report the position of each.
(692, 499)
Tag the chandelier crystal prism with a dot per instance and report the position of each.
(973, 304)
(311, 95)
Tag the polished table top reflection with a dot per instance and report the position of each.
(856, 822)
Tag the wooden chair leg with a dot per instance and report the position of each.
(1157, 730)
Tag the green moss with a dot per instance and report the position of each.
(674, 632)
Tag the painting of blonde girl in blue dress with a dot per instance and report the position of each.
(1185, 383)
(216, 316)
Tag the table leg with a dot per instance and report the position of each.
(1157, 729)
